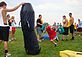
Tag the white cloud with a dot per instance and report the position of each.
(72, 1)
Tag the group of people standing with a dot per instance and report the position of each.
(68, 25)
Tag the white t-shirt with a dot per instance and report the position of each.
(13, 24)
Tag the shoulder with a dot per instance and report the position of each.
(38, 19)
(72, 18)
(3, 9)
(66, 19)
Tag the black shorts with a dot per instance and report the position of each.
(4, 33)
(65, 31)
(71, 28)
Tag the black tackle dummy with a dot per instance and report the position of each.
(27, 22)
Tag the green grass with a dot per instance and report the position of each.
(16, 48)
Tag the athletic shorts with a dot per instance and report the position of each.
(52, 39)
(71, 28)
(13, 28)
(65, 31)
(4, 33)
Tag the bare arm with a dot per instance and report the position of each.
(39, 24)
(15, 8)
(14, 21)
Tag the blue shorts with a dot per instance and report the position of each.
(4, 33)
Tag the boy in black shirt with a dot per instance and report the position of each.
(39, 26)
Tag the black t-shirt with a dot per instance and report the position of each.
(39, 21)
(9, 22)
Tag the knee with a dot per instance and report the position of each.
(0, 41)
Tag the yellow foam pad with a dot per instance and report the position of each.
(68, 53)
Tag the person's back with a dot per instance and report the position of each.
(51, 32)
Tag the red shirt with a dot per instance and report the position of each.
(51, 32)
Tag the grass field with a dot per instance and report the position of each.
(16, 48)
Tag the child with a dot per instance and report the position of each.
(52, 34)
(13, 23)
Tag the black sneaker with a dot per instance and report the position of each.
(72, 38)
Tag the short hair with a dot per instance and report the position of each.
(2, 4)
(40, 15)
(64, 16)
(8, 15)
(78, 19)
(70, 13)
(12, 17)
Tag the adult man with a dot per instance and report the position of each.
(71, 21)
(4, 27)
(65, 25)
(39, 26)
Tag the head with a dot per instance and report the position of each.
(64, 17)
(78, 20)
(12, 17)
(40, 16)
(58, 23)
(70, 14)
(8, 16)
(3, 5)
(54, 22)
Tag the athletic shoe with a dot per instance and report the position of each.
(72, 38)
(66, 39)
(13, 39)
(56, 44)
(9, 40)
(7, 55)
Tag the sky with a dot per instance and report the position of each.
(51, 10)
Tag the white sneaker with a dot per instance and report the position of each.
(9, 40)
(7, 55)
(13, 39)
(79, 35)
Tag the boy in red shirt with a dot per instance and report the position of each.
(52, 34)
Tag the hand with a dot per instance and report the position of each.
(23, 3)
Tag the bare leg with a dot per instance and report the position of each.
(72, 36)
(13, 35)
(62, 37)
(54, 42)
(6, 49)
(5, 45)
(0, 41)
